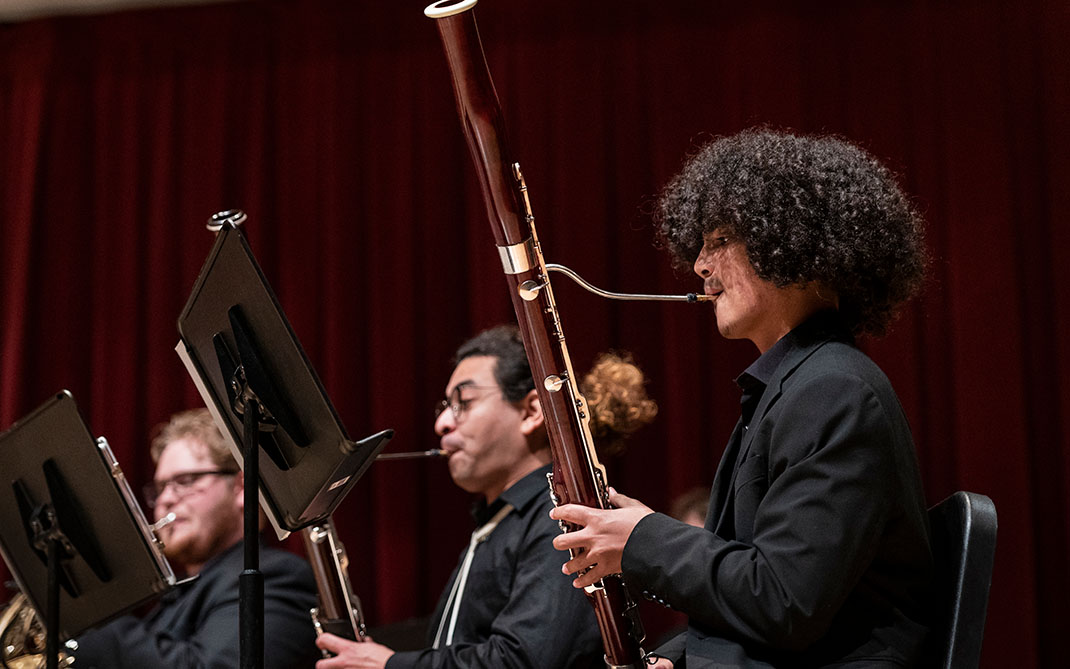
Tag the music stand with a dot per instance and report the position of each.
(247, 364)
(71, 531)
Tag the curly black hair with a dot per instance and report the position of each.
(807, 209)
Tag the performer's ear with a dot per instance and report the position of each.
(238, 490)
(531, 413)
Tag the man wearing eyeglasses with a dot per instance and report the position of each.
(196, 624)
(507, 603)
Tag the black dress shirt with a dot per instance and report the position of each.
(518, 609)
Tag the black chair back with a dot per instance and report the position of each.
(963, 531)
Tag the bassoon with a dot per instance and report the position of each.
(339, 610)
(577, 477)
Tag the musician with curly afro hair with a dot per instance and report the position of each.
(815, 550)
(807, 209)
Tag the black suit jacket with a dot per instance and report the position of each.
(196, 625)
(815, 550)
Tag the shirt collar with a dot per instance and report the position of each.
(519, 495)
(820, 325)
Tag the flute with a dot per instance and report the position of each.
(433, 453)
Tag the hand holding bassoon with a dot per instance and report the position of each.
(348, 655)
(599, 545)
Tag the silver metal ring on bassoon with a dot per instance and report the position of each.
(444, 8)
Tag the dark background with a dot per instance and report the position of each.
(332, 124)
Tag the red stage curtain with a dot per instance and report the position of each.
(332, 125)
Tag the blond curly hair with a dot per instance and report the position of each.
(196, 425)
(617, 400)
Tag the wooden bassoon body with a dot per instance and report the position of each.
(578, 477)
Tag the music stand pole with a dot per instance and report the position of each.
(52, 618)
(251, 581)
(49, 538)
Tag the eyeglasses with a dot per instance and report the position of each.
(459, 404)
(181, 484)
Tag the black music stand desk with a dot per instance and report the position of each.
(268, 402)
(71, 530)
